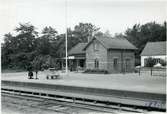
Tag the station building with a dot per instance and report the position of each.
(115, 55)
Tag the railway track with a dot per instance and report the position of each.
(42, 104)
(62, 104)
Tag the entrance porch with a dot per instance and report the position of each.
(75, 63)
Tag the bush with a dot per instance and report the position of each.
(162, 62)
(150, 62)
(96, 71)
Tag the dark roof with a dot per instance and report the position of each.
(77, 49)
(154, 48)
(114, 43)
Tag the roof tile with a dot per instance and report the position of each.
(77, 49)
(154, 48)
(114, 43)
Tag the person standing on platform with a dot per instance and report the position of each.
(30, 73)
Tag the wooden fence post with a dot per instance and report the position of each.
(151, 71)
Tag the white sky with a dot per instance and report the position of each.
(113, 15)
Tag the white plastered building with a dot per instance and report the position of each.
(154, 50)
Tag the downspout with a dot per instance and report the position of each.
(122, 61)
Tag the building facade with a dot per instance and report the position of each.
(115, 55)
(156, 50)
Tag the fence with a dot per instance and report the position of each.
(153, 71)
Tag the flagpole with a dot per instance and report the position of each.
(66, 36)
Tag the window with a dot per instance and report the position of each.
(87, 55)
(157, 60)
(96, 46)
(145, 61)
(115, 63)
(96, 63)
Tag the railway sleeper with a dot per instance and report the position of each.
(79, 100)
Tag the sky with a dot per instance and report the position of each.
(114, 16)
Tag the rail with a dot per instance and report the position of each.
(82, 102)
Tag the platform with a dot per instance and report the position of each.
(128, 82)
(129, 89)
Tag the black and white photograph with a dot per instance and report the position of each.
(83, 56)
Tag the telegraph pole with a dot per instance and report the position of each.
(66, 36)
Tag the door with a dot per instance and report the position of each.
(96, 64)
(115, 64)
(127, 65)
